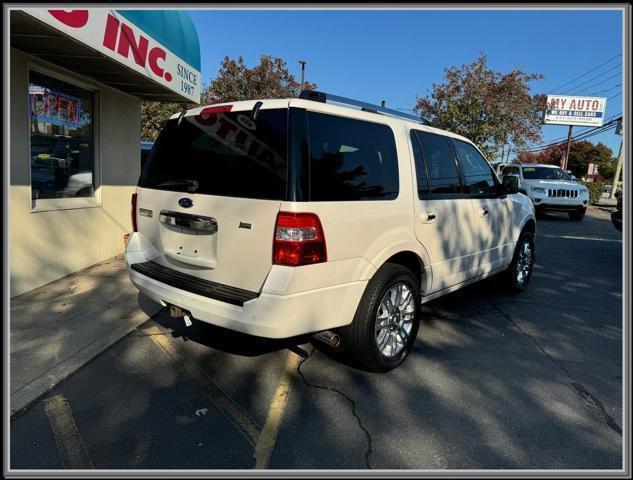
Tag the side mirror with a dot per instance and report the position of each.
(511, 183)
(573, 177)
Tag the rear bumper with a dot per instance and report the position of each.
(271, 314)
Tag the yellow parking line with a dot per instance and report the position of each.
(231, 410)
(70, 445)
(268, 435)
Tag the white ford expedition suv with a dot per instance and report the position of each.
(551, 188)
(281, 218)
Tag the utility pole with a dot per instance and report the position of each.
(303, 68)
(618, 169)
(565, 159)
(503, 148)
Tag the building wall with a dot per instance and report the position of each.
(47, 245)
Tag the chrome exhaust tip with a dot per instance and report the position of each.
(328, 337)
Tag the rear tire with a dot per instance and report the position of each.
(386, 324)
(517, 276)
(578, 215)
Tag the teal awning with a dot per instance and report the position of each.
(173, 28)
(89, 42)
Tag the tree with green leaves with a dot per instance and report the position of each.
(489, 107)
(582, 153)
(155, 114)
(235, 81)
(270, 78)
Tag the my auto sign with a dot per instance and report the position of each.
(570, 110)
(111, 34)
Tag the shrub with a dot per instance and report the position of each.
(595, 191)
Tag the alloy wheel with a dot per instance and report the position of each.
(394, 320)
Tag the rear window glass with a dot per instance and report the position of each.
(223, 153)
(351, 159)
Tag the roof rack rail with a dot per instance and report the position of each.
(323, 97)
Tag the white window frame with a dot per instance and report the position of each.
(48, 204)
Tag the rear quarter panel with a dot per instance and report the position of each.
(360, 235)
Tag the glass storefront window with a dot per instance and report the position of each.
(62, 138)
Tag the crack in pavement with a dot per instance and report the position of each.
(368, 452)
(585, 394)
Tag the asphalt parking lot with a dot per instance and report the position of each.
(495, 381)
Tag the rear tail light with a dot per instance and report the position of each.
(134, 224)
(299, 240)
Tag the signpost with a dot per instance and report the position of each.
(574, 110)
(618, 168)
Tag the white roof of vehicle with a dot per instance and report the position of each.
(312, 105)
(539, 165)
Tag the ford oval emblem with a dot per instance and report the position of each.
(185, 202)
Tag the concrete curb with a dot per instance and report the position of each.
(36, 388)
(603, 208)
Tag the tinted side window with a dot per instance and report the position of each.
(420, 166)
(351, 159)
(510, 171)
(144, 155)
(442, 170)
(478, 177)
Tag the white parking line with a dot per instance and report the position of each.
(571, 237)
(268, 436)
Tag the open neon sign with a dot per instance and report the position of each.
(54, 107)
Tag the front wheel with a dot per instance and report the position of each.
(518, 274)
(386, 322)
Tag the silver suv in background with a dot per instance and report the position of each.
(550, 188)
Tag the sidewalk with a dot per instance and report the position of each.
(58, 328)
(606, 203)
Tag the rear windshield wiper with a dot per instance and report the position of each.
(192, 184)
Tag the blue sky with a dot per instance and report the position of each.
(398, 54)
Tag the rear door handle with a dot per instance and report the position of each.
(483, 212)
(196, 223)
(428, 217)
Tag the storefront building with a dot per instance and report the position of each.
(77, 78)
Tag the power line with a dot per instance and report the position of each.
(581, 130)
(579, 136)
(593, 78)
(586, 73)
(574, 139)
(613, 96)
(607, 90)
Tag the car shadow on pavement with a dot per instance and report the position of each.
(225, 340)
(556, 217)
